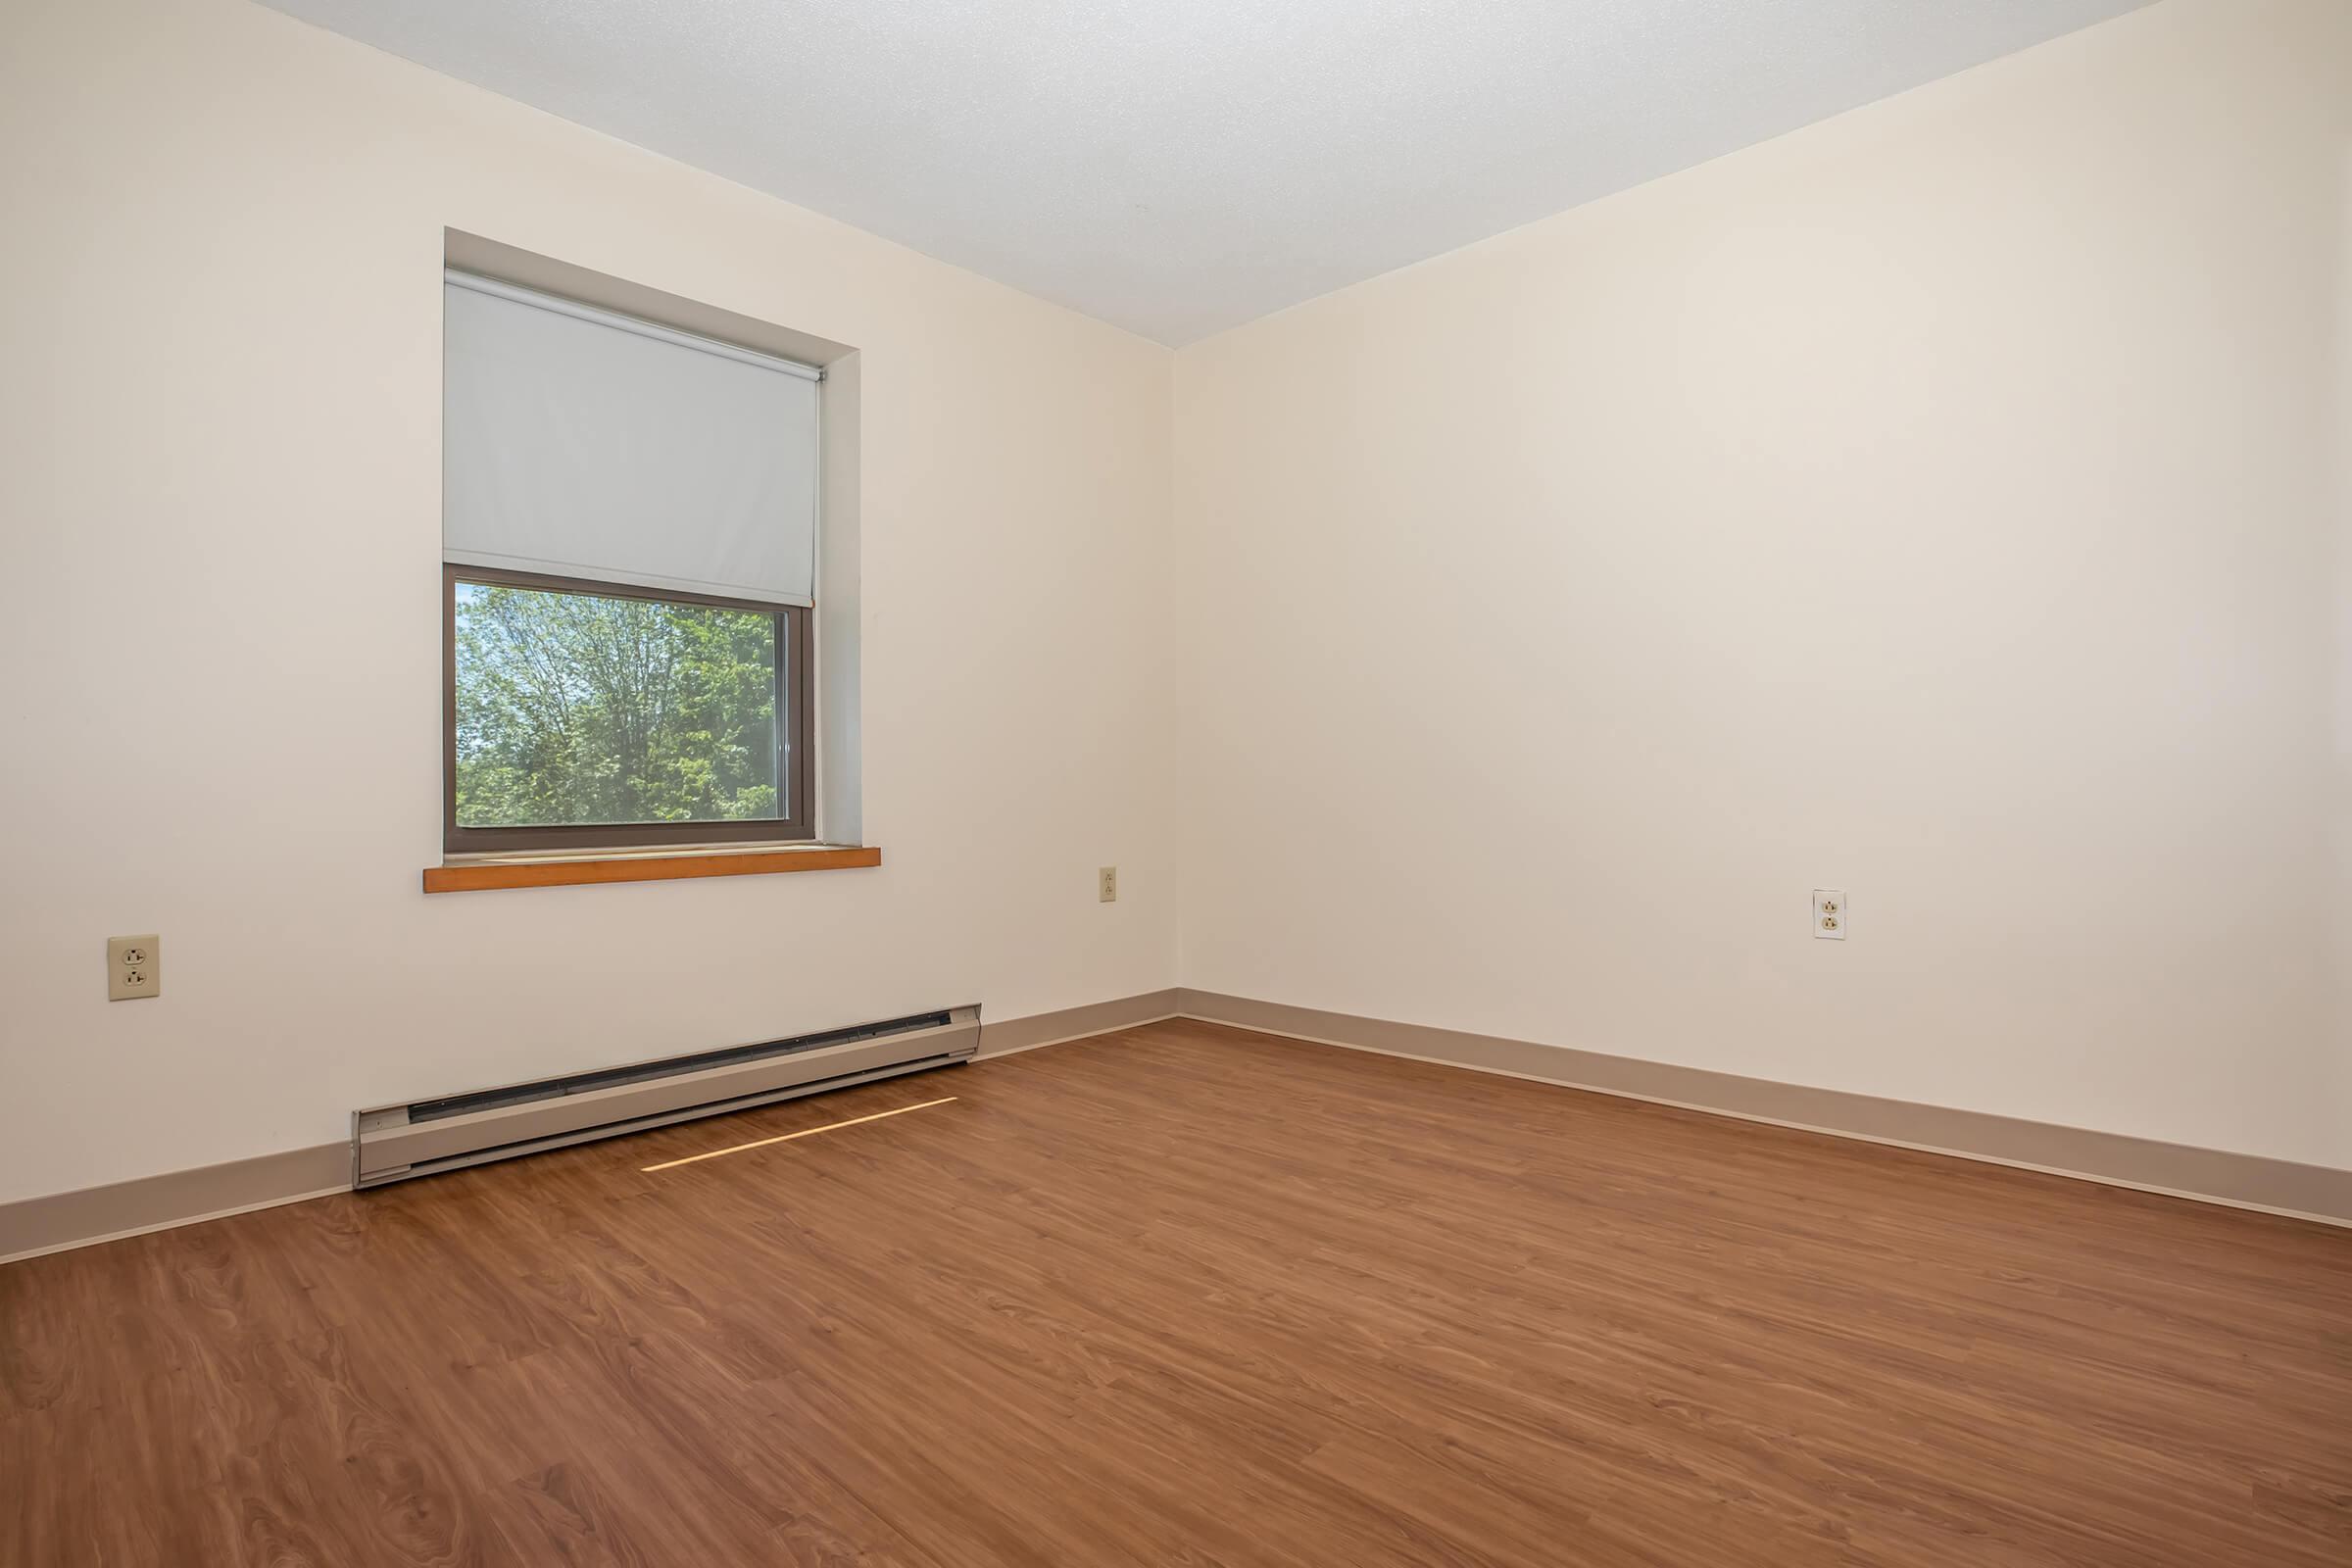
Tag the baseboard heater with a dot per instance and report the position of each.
(394, 1142)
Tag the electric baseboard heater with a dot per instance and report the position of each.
(394, 1142)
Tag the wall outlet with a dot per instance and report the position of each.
(134, 968)
(1107, 884)
(1829, 914)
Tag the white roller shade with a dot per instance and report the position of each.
(581, 444)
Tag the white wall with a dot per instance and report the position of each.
(2340, 784)
(1941, 502)
(221, 324)
(1948, 503)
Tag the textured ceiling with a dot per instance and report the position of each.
(1178, 166)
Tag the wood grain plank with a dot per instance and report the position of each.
(1186, 1294)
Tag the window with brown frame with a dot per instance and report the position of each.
(587, 715)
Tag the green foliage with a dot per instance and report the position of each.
(578, 709)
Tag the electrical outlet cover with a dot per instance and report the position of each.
(134, 968)
(1829, 914)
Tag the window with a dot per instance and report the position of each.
(586, 714)
(628, 531)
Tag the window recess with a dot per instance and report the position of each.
(628, 534)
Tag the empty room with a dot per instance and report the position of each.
(1540, 784)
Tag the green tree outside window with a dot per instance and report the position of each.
(576, 707)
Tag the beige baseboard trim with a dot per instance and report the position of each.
(1003, 1037)
(54, 1223)
(2176, 1170)
(33, 1226)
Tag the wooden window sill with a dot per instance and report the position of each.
(641, 865)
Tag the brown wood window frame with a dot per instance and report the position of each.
(796, 760)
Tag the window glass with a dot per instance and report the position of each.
(576, 707)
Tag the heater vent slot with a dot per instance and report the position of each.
(669, 1067)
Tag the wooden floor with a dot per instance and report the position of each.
(1193, 1295)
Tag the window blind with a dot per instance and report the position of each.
(577, 443)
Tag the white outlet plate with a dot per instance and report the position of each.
(134, 968)
(1107, 884)
(1829, 914)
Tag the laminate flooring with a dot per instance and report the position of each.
(1187, 1295)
